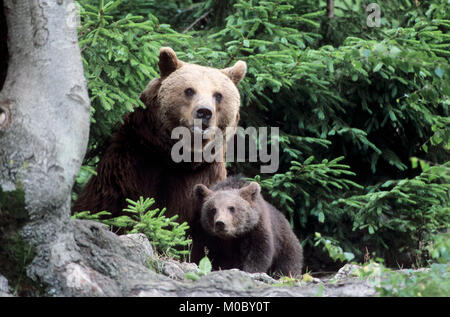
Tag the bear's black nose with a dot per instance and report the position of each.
(204, 113)
(219, 225)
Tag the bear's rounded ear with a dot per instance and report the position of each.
(250, 192)
(237, 72)
(150, 92)
(201, 192)
(168, 62)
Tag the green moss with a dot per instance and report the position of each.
(13, 201)
(15, 252)
(155, 265)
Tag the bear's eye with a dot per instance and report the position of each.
(231, 209)
(213, 211)
(218, 96)
(189, 92)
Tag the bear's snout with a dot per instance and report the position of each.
(219, 226)
(205, 114)
(223, 224)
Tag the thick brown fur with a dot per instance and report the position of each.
(138, 160)
(241, 230)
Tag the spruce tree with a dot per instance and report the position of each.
(363, 111)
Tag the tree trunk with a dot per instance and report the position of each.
(44, 127)
(330, 9)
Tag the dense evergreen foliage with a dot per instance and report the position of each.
(363, 111)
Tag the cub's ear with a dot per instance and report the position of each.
(236, 72)
(201, 192)
(168, 62)
(250, 192)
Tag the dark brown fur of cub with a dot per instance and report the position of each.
(242, 230)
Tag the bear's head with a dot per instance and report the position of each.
(228, 213)
(199, 98)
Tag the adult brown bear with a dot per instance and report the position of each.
(138, 160)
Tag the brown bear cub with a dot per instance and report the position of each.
(242, 230)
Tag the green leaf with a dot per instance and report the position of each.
(395, 51)
(205, 266)
(392, 115)
(331, 67)
(321, 217)
(377, 67)
(192, 276)
(414, 161)
(424, 165)
(439, 72)
(349, 256)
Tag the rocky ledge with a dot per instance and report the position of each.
(114, 265)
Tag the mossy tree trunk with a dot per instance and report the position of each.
(44, 127)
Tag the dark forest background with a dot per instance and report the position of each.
(362, 110)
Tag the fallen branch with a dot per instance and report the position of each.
(197, 21)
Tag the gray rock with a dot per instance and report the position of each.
(115, 264)
(263, 277)
(140, 244)
(125, 266)
(346, 271)
(4, 288)
(112, 265)
(176, 270)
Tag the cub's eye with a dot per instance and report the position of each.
(213, 211)
(231, 209)
(218, 96)
(189, 92)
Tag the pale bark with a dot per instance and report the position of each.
(44, 131)
(330, 9)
